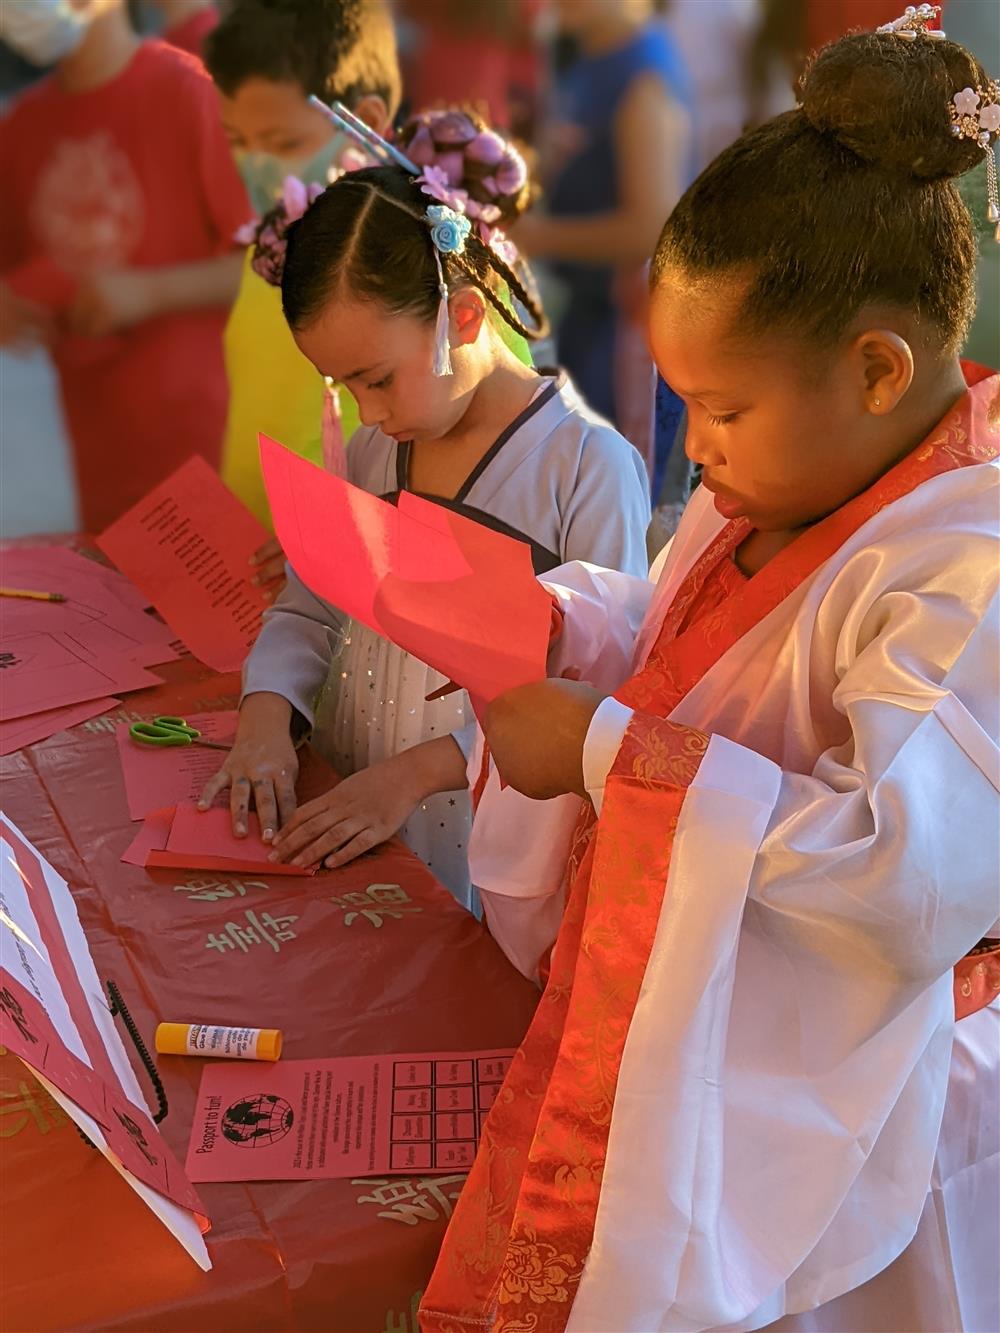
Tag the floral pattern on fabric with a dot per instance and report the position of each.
(536, 1181)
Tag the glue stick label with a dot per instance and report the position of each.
(224, 1043)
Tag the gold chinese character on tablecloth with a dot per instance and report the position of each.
(211, 890)
(24, 1102)
(266, 929)
(377, 901)
(405, 1321)
(407, 1200)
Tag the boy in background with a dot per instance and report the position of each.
(117, 244)
(267, 58)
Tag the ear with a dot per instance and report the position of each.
(467, 309)
(373, 111)
(885, 369)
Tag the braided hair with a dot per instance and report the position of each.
(369, 231)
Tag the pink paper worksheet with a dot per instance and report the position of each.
(22, 731)
(157, 776)
(352, 1116)
(459, 596)
(101, 611)
(40, 671)
(187, 546)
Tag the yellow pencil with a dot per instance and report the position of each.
(33, 596)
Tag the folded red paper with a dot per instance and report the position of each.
(456, 594)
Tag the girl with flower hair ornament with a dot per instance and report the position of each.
(760, 1087)
(402, 286)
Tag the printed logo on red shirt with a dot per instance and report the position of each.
(88, 208)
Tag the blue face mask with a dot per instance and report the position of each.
(264, 173)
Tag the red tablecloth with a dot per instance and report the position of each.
(339, 976)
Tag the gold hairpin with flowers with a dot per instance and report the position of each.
(974, 112)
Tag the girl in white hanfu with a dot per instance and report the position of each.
(745, 1100)
(399, 284)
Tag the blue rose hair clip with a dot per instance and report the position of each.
(449, 232)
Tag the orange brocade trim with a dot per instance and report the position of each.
(519, 1238)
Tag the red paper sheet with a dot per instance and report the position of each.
(152, 837)
(459, 596)
(22, 731)
(102, 612)
(192, 839)
(42, 671)
(187, 545)
(53, 1017)
(159, 776)
(353, 1116)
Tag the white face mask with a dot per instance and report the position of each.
(42, 31)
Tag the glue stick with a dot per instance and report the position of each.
(218, 1042)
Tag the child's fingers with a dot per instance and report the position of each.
(267, 808)
(284, 790)
(212, 789)
(363, 842)
(271, 571)
(301, 833)
(266, 552)
(239, 806)
(330, 840)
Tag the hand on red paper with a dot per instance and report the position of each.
(368, 807)
(262, 764)
(269, 563)
(536, 735)
(107, 302)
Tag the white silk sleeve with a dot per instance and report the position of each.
(602, 613)
(604, 739)
(796, 1013)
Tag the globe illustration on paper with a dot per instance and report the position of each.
(256, 1122)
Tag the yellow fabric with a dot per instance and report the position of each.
(272, 388)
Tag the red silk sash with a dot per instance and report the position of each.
(520, 1236)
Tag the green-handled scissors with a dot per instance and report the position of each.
(165, 731)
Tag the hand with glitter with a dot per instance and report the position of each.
(262, 765)
(370, 806)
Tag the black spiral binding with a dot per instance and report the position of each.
(118, 1006)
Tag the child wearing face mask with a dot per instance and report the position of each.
(449, 411)
(116, 243)
(267, 58)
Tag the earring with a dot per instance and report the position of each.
(878, 402)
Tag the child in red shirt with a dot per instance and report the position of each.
(122, 206)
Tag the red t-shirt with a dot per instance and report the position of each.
(135, 174)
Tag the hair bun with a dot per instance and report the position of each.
(887, 100)
(475, 158)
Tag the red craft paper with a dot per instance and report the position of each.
(152, 837)
(187, 545)
(22, 731)
(53, 1016)
(343, 1118)
(461, 597)
(158, 776)
(204, 840)
(41, 671)
(130, 1132)
(101, 612)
